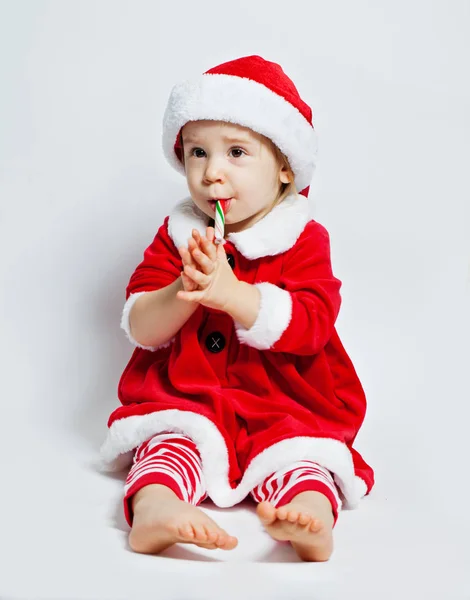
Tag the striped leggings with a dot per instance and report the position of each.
(173, 460)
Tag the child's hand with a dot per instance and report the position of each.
(213, 277)
(188, 284)
(195, 243)
(186, 256)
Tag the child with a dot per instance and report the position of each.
(239, 384)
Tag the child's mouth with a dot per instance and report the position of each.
(226, 203)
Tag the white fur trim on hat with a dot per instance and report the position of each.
(245, 102)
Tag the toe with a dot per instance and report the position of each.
(200, 533)
(226, 541)
(316, 526)
(186, 532)
(207, 546)
(281, 513)
(232, 542)
(292, 516)
(304, 518)
(266, 512)
(211, 535)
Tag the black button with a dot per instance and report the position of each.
(231, 260)
(215, 342)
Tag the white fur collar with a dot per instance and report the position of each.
(273, 234)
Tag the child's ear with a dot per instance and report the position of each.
(284, 175)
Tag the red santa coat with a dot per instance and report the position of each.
(253, 400)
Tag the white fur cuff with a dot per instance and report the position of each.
(127, 328)
(274, 316)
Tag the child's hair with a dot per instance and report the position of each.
(285, 189)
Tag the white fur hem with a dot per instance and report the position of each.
(126, 434)
(127, 328)
(275, 314)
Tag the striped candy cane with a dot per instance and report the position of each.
(219, 223)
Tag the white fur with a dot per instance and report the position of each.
(275, 233)
(125, 324)
(247, 103)
(125, 435)
(274, 316)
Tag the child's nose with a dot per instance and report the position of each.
(214, 170)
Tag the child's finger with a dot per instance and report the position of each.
(196, 237)
(191, 244)
(220, 252)
(190, 296)
(210, 234)
(199, 239)
(204, 262)
(196, 276)
(185, 255)
(186, 258)
(189, 284)
(209, 248)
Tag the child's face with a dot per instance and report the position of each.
(244, 169)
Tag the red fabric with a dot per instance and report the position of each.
(281, 487)
(305, 385)
(173, 460)
(269, 74)
(313, 485)
(169, 460)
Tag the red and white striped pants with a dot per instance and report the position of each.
(173, 460)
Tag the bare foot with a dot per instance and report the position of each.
(161, 519)
(306, 522)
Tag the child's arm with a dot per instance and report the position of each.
(297, 315)
(244, 305)
(153, 314)
(157, 316)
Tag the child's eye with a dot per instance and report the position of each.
(192, 153)
(238, 150)
(197, 152)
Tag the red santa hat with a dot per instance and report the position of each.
(251, 92)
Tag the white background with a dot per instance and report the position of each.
(84, 187)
